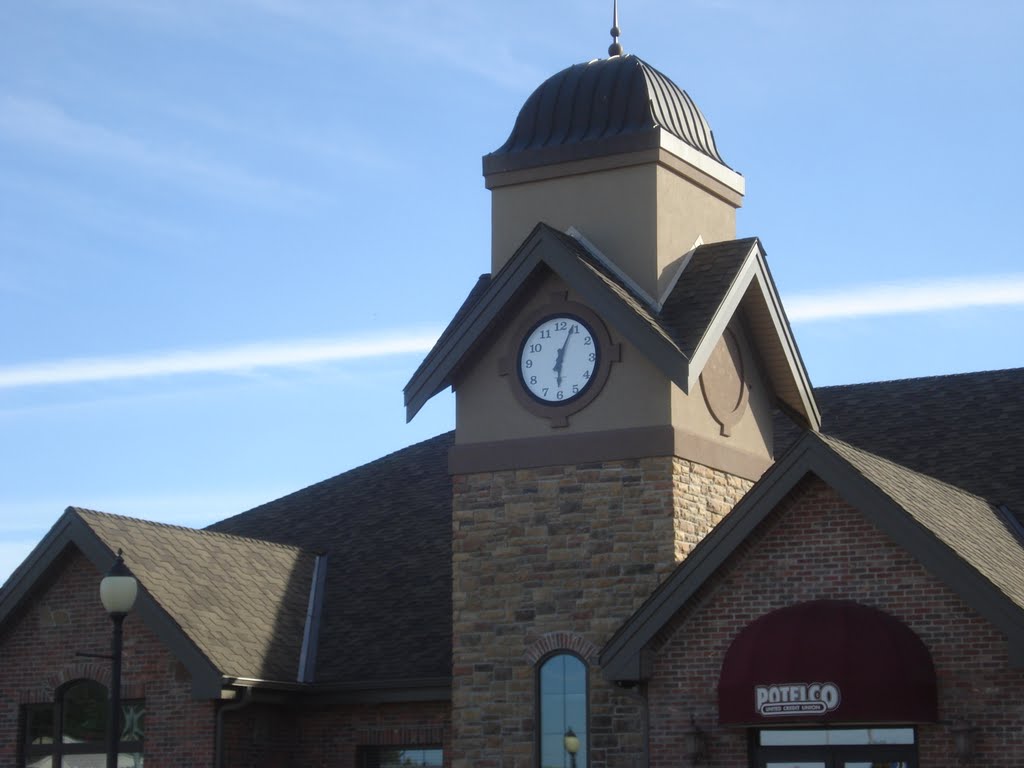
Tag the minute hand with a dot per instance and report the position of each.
(560, 358)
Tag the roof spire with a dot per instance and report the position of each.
(615, 49)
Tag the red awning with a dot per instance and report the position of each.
(827, 661)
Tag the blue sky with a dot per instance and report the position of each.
(230, 229)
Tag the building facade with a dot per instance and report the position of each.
(649, 541)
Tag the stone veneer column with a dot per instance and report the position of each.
(562, 552)
(703, 496)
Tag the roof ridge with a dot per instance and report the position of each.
(614, 270)
(86, 512)
(378, 460)
(930, 378)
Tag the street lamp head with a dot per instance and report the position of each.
(119, 588)
(572, 742)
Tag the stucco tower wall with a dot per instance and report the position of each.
(559, 557)
(643, 214)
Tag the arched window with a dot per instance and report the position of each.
(74, 727)
(562, 699)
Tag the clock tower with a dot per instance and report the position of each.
(616, 374)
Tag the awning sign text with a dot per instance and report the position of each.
(796, 699)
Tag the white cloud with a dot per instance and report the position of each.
(40, 123)
(907, 298)
(237, 359)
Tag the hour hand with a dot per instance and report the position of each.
(558, 366)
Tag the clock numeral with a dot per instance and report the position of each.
(586, 341)
(561, 325)
(528, 364)
(559, 395)
(575, 388)
(545, 391)
(575, 328)
(592, 357)
(533, 380)
(586, 374)
(536, 347)
(545, 334)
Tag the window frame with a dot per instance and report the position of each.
(833, 755)
(538, 742)
(57, 749)
(367, 756)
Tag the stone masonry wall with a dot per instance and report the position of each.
(703, 496)
(554, 558)
(38, 653)
(814, 546)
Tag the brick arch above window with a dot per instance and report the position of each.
(562, 641)
(98, 670)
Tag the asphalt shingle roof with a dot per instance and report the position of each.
(242, 601)
(965, 429)
(240, 589)
(690, 308)
(972, 527)
(386, 527)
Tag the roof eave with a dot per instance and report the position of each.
(438, 368)
(543, 245)
(623, 657)
(419, 689)
(72, 530)
(789, 376)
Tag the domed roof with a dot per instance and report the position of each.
(601, 107)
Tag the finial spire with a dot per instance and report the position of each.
(615, 49)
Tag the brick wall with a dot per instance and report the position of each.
(560, 557)
(812, 547)
(332, 735)
(65, 616)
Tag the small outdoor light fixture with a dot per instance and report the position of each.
(118, 591)
(696, 742)
(572, 745)
(963, 740)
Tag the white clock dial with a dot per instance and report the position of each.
(558, 359)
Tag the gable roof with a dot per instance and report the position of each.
(677, 336)
(966, 429)
(964, 540)
(227, 607)
(386, 529)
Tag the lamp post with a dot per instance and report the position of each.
(118, 590)
(572, 745)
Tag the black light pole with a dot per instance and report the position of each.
(118, 590)
(572, 745)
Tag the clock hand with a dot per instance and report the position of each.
(560, 357)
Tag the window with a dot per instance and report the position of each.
(562, 684)
(72, 732)
(400, 757)
(870, 747)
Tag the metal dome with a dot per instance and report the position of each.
(600, 107)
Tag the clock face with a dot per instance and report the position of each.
(558, 359)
